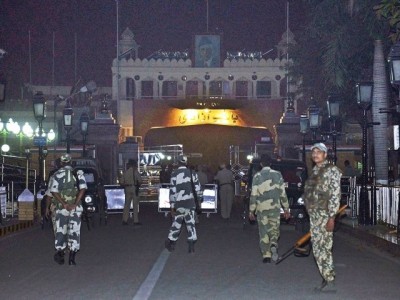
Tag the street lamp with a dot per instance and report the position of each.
(334, 113)
(364, 101)
(84, 121)
(67, 118)
(303, 131)
(39, 111)
(394, 65)
(314, 119)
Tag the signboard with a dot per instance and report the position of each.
(208, 205)
(39, 141)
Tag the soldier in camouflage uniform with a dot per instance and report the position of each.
(322, 199)
(68, 190)
(183, 204)
(267, 196)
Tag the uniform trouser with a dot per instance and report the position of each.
(268, 228)
(226, 197)
(130, 196)
(187, 215)
(68, 229)
(322, 242)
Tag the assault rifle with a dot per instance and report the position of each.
(301, 241)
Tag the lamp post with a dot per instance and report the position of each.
(303, 131)
(394, 65)
(67, 118)
(84, 122)
(314, 119)
(39, 111)
(334, 113)
(364, 101)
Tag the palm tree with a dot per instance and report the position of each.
(380, 100)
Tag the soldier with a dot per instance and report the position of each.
(322, 199)
(68, 190)
(267, 196)
(131, 181)
(183, 204)
(225, 180)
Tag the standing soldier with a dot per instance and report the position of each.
(267, 196)
(225, 180)
(68, 190)
(131, 181)
(184, 183)
(322, 199)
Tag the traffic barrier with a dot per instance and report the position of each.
(15, 227)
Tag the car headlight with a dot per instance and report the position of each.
(88, 199)
(300, 201)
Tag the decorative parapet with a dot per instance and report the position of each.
(187, 63)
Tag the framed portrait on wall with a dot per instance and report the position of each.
(207, 51)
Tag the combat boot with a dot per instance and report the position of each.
(170, 245)
(71, 260)
(191, 246)
(274, 251)
(59, 257)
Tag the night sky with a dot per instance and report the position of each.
(170, 25)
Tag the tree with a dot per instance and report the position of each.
(390, 10)
(335, 49)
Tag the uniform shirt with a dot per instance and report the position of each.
(61, 183)
(224, 177)
(328, 185)
(181, 194)
(131, 177)
(268, 191)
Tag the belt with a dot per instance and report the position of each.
(225, 184)
(128, 185)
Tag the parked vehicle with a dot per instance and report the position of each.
(94, 202)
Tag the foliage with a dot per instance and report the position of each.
(335, 49)
(390, 10)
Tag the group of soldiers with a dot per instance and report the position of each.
(322, 199)
(321, 195)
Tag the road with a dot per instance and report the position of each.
(127, 262)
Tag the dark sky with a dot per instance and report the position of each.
(157, 24)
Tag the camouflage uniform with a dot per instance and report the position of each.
(68, 223)
(52, 204)
(131, 180)
(182, 200)
(322, 199)
(267, 196)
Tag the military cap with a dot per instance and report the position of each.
(320, 146)
(182, 159)
(65, 158)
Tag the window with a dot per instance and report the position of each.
(192, 89)
(215, 88)
(147, 89)
(241, 89)
(130, 89)
(263, 89)
(169, 89)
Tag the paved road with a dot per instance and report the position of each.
(127, 262)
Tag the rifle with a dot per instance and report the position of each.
(301, 241)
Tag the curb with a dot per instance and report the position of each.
(368, 236)
(15, 227)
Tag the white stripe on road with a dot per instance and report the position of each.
(146, 288)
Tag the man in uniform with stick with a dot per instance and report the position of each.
(322, 199)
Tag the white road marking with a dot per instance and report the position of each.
(146, 288)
